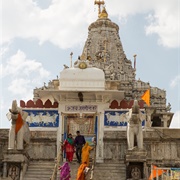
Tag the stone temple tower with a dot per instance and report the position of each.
(104, 49)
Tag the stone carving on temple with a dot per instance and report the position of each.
(134, 128)
(168, 108)
(42, 118)
(19, 131)
(117, 118)
(136, 173)
(14, 172)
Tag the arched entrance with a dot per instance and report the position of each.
(86, 123)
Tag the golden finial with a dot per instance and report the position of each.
(103, 14)
(99, 3)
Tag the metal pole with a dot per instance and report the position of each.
(71, 54)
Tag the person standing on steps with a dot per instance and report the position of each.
(85, 153)
(79, 142)
(69, 147)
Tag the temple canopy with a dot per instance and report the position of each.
(82, 77)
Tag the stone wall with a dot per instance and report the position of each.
(115, 145)
(3, 145)
(42, 145)
(162, 146)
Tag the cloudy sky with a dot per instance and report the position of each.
(37, 37)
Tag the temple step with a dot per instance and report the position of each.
(110, 171)
(39, 170)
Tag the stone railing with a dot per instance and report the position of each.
(93, 162)
(58, 160)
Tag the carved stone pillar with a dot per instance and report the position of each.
(22, 171)
(165, 118)
(100, 143)
(4, 169)
(149, 111)
(60, 131)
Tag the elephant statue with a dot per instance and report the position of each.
(134, 127)
(19, 131)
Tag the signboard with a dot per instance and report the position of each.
(84, 108)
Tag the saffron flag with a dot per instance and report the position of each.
(155, 172)
(146, 97)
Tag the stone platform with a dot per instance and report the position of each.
(15, 163)
(136, 155)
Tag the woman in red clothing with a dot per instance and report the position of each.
(69, 147)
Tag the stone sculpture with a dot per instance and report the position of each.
(19, 131)
(168, 108)
(134, 128)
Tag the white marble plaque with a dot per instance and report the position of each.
(84, 108)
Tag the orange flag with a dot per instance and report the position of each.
(155, 173)
(146, 97)
(19, 123)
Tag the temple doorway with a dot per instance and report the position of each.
(85, 123)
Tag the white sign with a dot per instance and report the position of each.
(92, 108)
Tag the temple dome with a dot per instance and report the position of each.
(82, 77)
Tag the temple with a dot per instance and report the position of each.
(100, 96)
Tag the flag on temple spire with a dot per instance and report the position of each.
(146, 97)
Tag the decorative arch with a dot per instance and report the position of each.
(48, 104)
(30, 104)
(39, 103)
(55, 105)
(123, 104)
(114, 104)
(22, 104)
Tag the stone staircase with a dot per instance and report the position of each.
(110, 171)
(103, 171)
(42, 170)
(39, 170)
